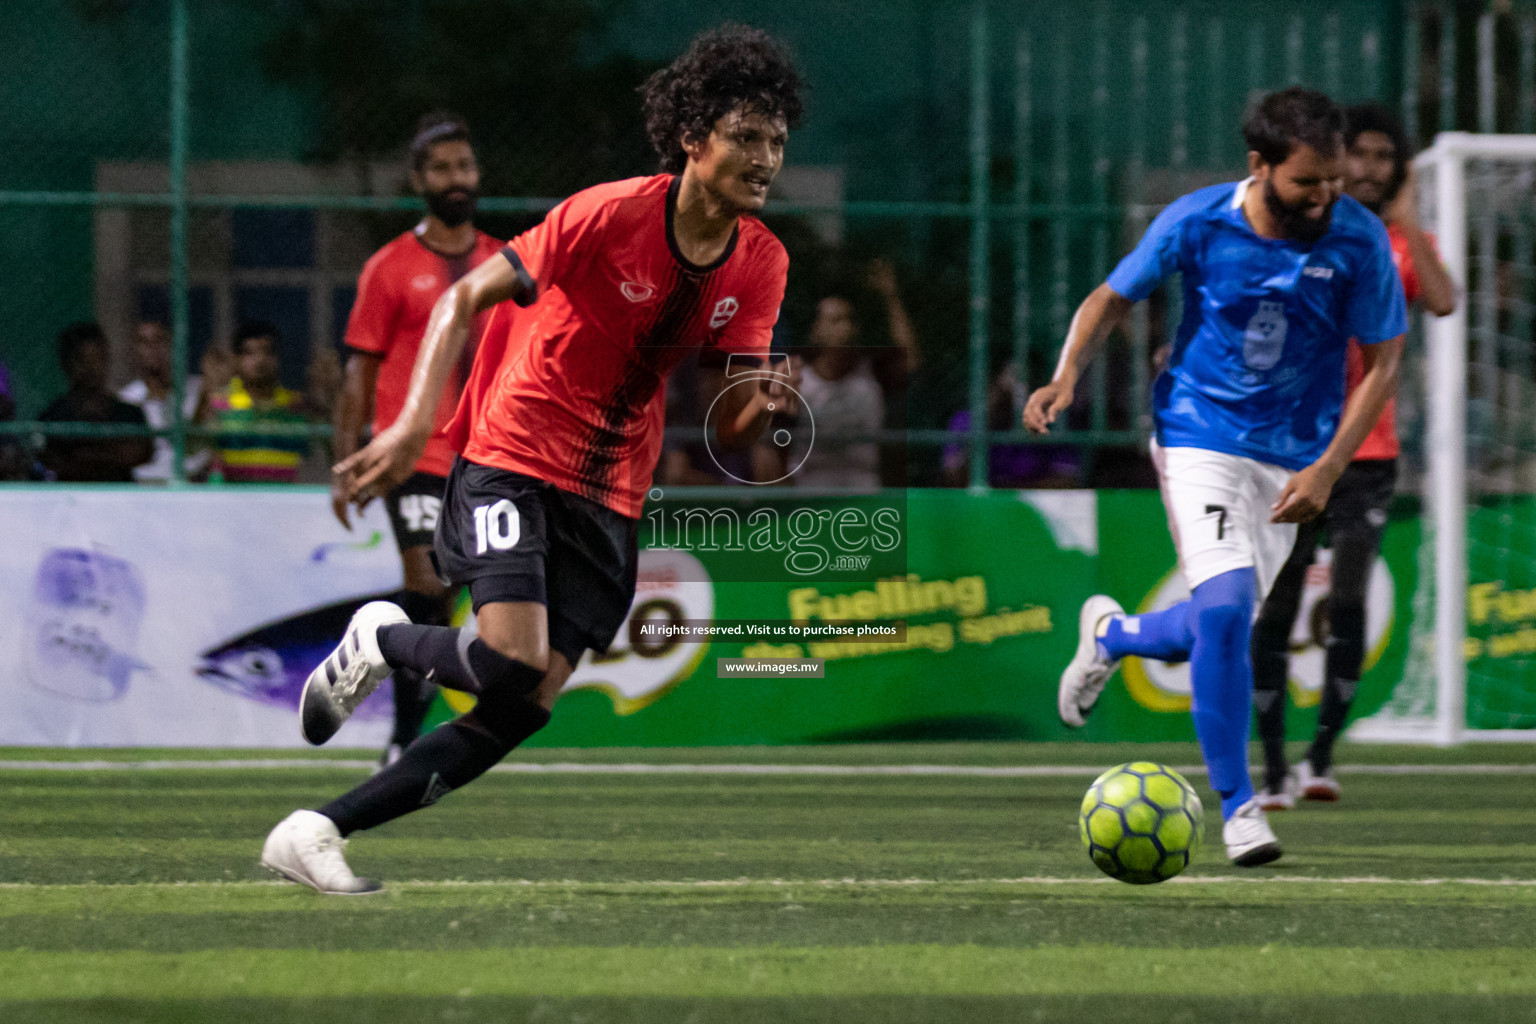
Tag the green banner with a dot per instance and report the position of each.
(990, 596)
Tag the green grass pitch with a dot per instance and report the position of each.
(822, 891)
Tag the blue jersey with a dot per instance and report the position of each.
(1257, 369)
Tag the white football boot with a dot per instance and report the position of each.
(348, 674)
(1282, 799)
(1316, 787)
(306, 848)
(1250, 841)
(1085, 675)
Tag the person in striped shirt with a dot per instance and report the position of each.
(245, 410)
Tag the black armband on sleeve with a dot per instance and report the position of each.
(527, 287)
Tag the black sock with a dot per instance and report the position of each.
(413, 693)
(413, 698)
(429, 649)
(424, 609)
(1271, 665)
(439, 762)
(1346, 653)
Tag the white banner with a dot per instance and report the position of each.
(178, 618)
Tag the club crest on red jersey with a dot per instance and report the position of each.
(423, 282)
(724, 310)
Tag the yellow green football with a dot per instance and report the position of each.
(1141, 823)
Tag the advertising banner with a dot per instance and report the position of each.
(990, 596)
(192, 618)
(186, 618)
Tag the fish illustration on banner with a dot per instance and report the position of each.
(82, 626)
(271, 662)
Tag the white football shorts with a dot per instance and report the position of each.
(1218, 512)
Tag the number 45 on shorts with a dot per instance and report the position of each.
(497, 527)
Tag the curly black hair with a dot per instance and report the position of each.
(1281, 121)
(729, 67)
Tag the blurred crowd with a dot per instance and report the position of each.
(247, 427)
(850, 361)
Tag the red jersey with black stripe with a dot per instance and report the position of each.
(572, 390)
(1381, 442)
(399, 285)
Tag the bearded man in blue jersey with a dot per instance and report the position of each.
(1279, 272)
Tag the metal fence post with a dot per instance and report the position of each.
(179, 268)
(1023, 155)
(981, 185)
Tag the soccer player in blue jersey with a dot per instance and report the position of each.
(1279, 272)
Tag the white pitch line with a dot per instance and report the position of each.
(791, 883)
(584, 768)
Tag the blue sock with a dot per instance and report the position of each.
(1163, 635)
(1221, 674)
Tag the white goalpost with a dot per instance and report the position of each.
(1471, 669)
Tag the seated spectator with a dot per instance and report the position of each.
(151, 392)
(84, 356)
(246, 408)
(1009, 465)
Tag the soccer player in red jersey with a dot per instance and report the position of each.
(1381, 177)
(560, 429)
(395, 294)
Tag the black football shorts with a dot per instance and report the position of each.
(513, 537)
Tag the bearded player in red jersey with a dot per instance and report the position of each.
(1380, 175)
(560, 429)
(395, 294)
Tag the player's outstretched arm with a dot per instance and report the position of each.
(1101, 312)
(390, 457)
(1305, 494)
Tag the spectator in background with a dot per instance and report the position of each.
(151, 392)
(847, 388)
(246, 408)
(1009, 465)
(16, 462)
(84, 356)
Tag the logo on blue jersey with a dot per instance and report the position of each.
(1264, 338)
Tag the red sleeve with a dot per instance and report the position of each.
(750, 330)
(554, 247)
(371, 327)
